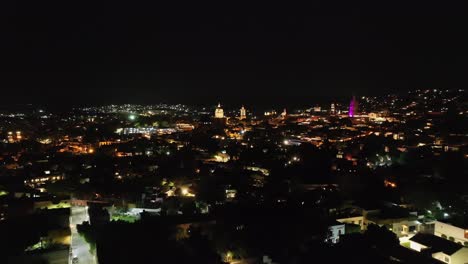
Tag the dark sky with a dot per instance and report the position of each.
(74, 52)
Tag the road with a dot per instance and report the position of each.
(79, 247)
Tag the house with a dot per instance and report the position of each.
(441, 249)
(406, 227)
(397, 219)
(335, 230)
(451, 232)
(97, 213)
(352, 220)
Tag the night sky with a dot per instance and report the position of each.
(75, 52)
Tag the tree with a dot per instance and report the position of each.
(380, 236)
(189, 207)
(86, 231)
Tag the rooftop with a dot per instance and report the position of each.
(436, 244)
(461, 222)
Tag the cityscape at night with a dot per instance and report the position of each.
(160, 134)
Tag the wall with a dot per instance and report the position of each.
(403, 228)
(442, 257)
(460, 257)
(450, 231)
(357, 220)
(336, 231)
(416, 246)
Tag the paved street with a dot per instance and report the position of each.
(79, 246)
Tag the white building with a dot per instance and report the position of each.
(335, 230)
(440, 249)
(406, 227)
(451, 232)
(353, 220)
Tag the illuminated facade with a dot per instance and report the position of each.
(14, 137)
(332, 109)
(451, 232)
(284, 113)
(243, 114)
(219, 112)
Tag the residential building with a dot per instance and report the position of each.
(335, 230)
(451, 232)
(439, 248)
(353, 220)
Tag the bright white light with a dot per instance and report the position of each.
(132, 117)
(446, 215)
(286, 142)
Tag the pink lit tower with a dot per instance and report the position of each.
(353, 107)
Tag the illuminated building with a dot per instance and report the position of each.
(444, 251)
(145, 130)
(10, 137)
(43, 179)
(18, 135)
(332, 109)
(335, 230)
(458, 234)
(14, 137)
(284, 113)
(184, 127)
(222, 157)
(353, 107)
(231, 194)
(219, 112)
(243, 114)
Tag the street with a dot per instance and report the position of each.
(79, 247)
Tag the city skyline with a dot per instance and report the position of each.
(89, 184)
(222, 133)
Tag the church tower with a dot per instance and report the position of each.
(243, 114)
(219, 112)
(284, 114)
